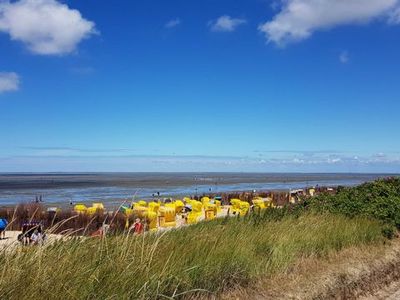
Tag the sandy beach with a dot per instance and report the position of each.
(10, 242)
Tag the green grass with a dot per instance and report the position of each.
(209, 257)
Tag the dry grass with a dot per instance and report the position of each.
(206, 259)
(346, 274)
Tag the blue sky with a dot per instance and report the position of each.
(211, 85)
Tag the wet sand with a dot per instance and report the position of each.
(112, 188)
(145, 180)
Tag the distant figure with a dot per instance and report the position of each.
(99, 232)
(137, 227)
(71, 203)
(3, 226)
(158, 194)
(37, 238)
(187, 208)
(29, 229)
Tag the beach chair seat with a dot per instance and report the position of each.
(193, 218)
(140, 211)
(179, 205)
(235, 203)
(91, 210)
(210, 211)
(98, 206)
(142, 203)
(197, 206)
(167, 217)
(244, 208)
(154, 206)
(259, 204)
(80, 208)
(151, 217)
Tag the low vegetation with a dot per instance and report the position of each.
(209, 257)
(379, 200)
(203, 259)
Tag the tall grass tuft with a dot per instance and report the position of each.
(209, 257)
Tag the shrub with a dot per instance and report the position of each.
(379, 200)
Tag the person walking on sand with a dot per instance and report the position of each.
(137, 227)
(3, 226)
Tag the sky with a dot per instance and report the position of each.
(211, 85)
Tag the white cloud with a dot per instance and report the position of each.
(394, 17)
(225, 24)
(9, 81)
(299, 19)
(344, 57)
(47, 27)
(173, 23)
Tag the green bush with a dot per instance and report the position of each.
(379, 199)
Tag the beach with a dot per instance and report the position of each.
(10, 242)
(114, 188)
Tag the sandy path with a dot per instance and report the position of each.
(391, 292)
(11, 241)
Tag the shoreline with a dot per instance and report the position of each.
(115, 203)
(161, 180)
(113, 189)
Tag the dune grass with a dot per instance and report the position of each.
(198, 260)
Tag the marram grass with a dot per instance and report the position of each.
(209, 257)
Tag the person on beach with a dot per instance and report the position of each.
(32, 233)
(3, 226)
(99, 232)
(137, 227)
(36, 238)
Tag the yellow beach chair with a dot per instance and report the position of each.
(167, 216)
(80, 208)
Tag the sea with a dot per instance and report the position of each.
(113, 188)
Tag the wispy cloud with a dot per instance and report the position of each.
(122, 161)
(51, 151)
(226, 24)
(9, 82)
(344, 57)
(46, 27)
(302, 152)
(298, 19)
(394, 16)
(173, 23)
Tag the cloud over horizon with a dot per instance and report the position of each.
(76, 159)
(226, 24)
(9, 82)
(46, 27)
(297, 20)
